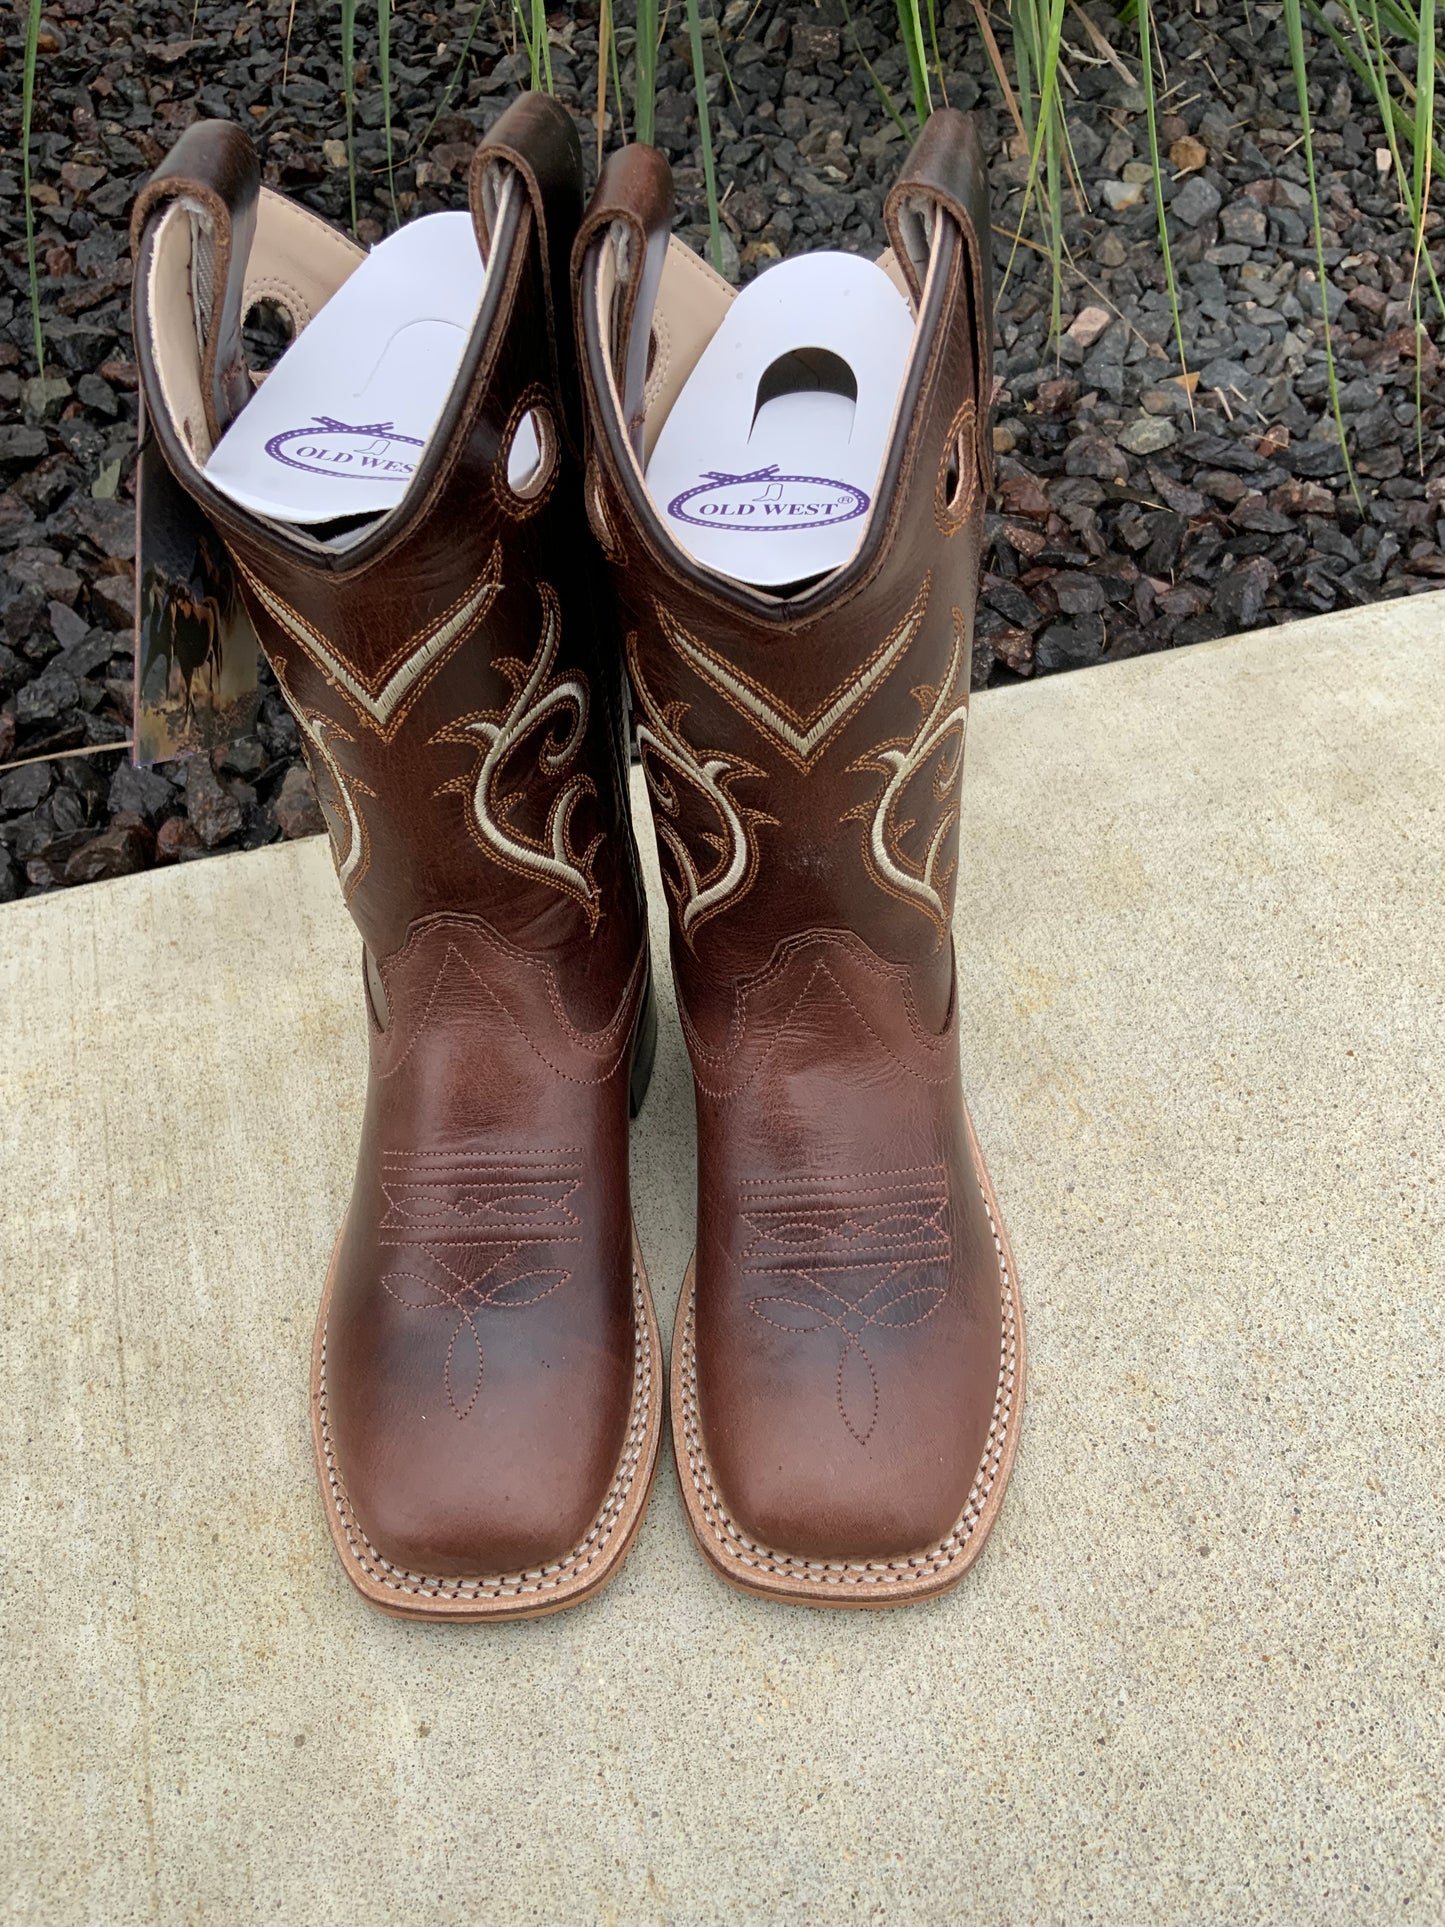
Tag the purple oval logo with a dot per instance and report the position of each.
(767, 503)
(369, 451)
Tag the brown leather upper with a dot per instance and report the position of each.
(457, 683)
(803, 753)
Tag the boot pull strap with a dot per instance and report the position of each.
(536, 143)
(618, 262)
(213, 174)
(945, 178)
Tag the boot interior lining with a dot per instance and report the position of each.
(174, 325)
(691, 303)
(296, 261)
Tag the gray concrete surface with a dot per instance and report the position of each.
(1197, 1674)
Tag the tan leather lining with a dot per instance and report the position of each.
(920, 347)
(888, 261)
(174, 346)
(297, 260)
(691, 303)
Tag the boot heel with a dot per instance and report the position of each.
(644, 1050)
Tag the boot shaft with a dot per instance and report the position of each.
(452, 668)
(803, 749)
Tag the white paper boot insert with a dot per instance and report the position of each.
(768, 462)
(338, 426)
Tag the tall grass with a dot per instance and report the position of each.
(704, 124)
(420, 144)
(27, 121)
(910, 32)
(383, 63)
(1038, 41)
(1294, 27)
(1145, 12)
(531, 18)
(645, 56)
(1391, 45)
(1406, 106)
(348, 89)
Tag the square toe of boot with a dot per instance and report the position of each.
(485, 1534)
(870, 1509)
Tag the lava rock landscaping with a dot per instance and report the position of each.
(1130, 514)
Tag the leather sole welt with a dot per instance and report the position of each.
(736, 1557)
(576, 1576)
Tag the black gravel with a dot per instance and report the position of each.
(1129, 517)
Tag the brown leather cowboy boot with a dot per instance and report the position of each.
(848, 1357)
(487, 1387)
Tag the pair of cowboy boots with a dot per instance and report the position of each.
(487, 1389)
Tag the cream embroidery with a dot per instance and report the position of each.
(351, 857)
(666, 753)
(420, 656)
(920, 881)
(350, 849)
(561, 706)
(956, 493)
(801, 738)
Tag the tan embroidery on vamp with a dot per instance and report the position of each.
(383, 699)
(802, 739)
(666, 754)
(920, 880)
(541, 701)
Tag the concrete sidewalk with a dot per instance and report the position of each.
(1197, 1675)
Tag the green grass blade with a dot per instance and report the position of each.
(882, 92)
(645, 106)
(1151, 111)
(481, 7)
(541, 46)
(1047, 51)
(520, 21)
(1402, 19)
(1420, 338)
(1399, 121)
(1294, 29)
(996, 62)
(1425, 118)
(727, 72)
(1424, 121)
(1053, 183)
(617, 84)
(348, 88)
(1376, 64)
(383, 61)
(27, 117)
(1027, 67)
(910, 28)
(1396, 124)
(937, 56)
(704, 128)
(604, 46)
